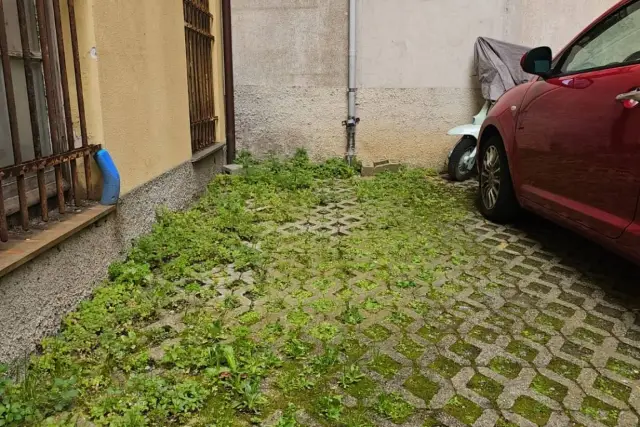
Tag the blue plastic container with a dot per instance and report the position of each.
(110, 178)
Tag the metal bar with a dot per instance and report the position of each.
(196, 69)
(198, 45)
(203, 79)
(42, 191)
(80, 93)
(198, 31)
(206, 48)
(56, 159)
(191, 80)
(74, 194)
(60, 189)
(4, 230)
(201, 8)
(194, 94)
(203, 121)
(54, 119)
(200, 89)
(206, 42)
(21, 55)
(194, 103)
(210, 77)
(33, 108)
(13, 117)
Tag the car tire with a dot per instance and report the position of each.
(498, 201)
(456, 170)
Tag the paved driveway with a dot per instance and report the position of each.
(526, 324)
(351, 303)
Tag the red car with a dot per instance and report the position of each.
(567, 144)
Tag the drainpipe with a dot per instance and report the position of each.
(229, 101)
(352, 121)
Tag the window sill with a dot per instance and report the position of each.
(203, 154)
(21, 249)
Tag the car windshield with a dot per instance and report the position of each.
(616, 40)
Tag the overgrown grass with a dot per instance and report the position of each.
(100, 367)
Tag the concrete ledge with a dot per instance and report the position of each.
(17, 252)
(203, 154)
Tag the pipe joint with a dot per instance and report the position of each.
(351, 122)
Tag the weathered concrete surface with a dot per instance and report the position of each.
(415, 71)
(281, 119)
(35, 297)
(411, 124)
(290, 74)
(290, 42)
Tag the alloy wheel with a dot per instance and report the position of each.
(490, 177)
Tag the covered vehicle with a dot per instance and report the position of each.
(497, 66)
(566, 145)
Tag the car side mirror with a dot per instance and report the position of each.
(538, 61)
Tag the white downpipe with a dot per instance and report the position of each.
(352, 120)
(352, 58)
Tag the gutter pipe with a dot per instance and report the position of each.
(352, 121)
(229, 98)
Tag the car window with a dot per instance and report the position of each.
(614, 41)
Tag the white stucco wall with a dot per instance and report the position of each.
(290, 73)
(415, 60)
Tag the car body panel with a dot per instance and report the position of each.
(597, 193)
(502, 117)
(577, 148)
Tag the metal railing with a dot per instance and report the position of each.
(199, 45)
(60, 120)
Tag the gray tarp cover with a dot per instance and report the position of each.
(498, 66)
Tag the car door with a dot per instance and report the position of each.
(577, 147)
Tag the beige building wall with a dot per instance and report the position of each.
(140, 52)
(415, 69)
(133, 60)
(143, 85)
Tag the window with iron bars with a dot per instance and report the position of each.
(199, 40)
(37, 146)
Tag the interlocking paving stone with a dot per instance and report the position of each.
(529, 331)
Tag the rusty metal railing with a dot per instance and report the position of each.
(60, 121)
(199, 44)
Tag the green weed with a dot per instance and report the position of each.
(350, 376)
(103, 367)
(393, 407)
(330, 407)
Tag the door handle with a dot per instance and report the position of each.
(634, 95)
